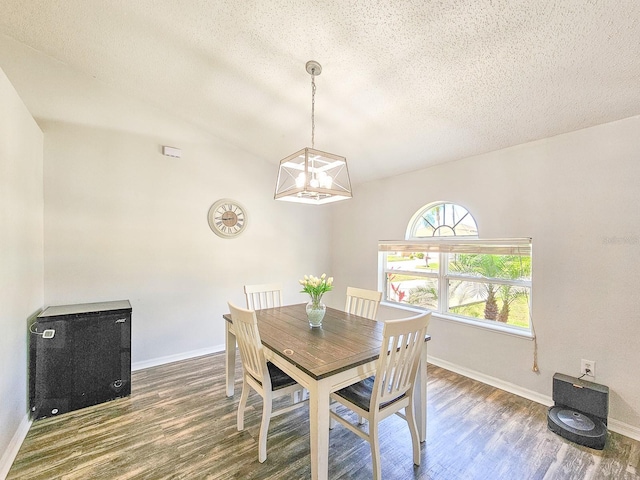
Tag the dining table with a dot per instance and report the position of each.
(343, 351)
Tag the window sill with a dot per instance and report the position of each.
(497, 327)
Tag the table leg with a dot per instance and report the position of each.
(319, 429)
(420, 396)
(230, 358)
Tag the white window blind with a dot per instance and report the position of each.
(494, 246)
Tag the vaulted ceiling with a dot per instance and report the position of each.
(405, 84)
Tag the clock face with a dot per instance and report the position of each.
(227, 218)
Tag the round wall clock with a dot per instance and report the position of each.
(227, 218)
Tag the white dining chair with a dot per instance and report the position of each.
(391, 389)
(363, 302)
(266, 295)
(264, 377)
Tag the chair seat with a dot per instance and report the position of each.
(279, 379)
(360, 394)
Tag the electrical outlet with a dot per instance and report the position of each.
(588, 368)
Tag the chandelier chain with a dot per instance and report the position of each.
(313, 108)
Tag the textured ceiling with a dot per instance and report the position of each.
(405, 84)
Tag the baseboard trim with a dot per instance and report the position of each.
(613, 424)
(154, 362)
(493, 381)
(624, 429)
(14, 446)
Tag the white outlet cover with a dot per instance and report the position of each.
(591, 365)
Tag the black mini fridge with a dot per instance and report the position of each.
(80, 355)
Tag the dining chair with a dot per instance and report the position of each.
(264, 377)
(391, 389)
(363, 302)
(266, 295)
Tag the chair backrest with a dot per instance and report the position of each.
(267, 295)
(363, 302)
(399, 358)
(245, 325)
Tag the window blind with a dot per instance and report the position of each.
(493, 246)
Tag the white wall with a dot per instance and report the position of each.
(21, 259)
(122, 221)
(577, 196)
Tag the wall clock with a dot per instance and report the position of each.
(227, 218)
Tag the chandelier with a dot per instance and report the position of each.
(309, 175)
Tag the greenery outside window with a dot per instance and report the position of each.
(461, 277)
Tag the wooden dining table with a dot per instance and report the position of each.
(341, 352)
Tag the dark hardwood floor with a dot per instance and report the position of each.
(178, 424)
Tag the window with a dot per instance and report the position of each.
(443, 266)
(442, 220)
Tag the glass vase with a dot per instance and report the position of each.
(315, 313)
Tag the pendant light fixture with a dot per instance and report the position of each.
(309, 175)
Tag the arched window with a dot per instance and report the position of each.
(441, 219)
(442, 265)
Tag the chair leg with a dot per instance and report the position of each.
(298, 395)
(361, 420)
(413, 429)
(333, 407)
(243, 404)
(264, 428)
(375, 450)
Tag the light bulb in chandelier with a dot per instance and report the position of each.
(325, 180)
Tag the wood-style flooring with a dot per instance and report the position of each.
(179, 424)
